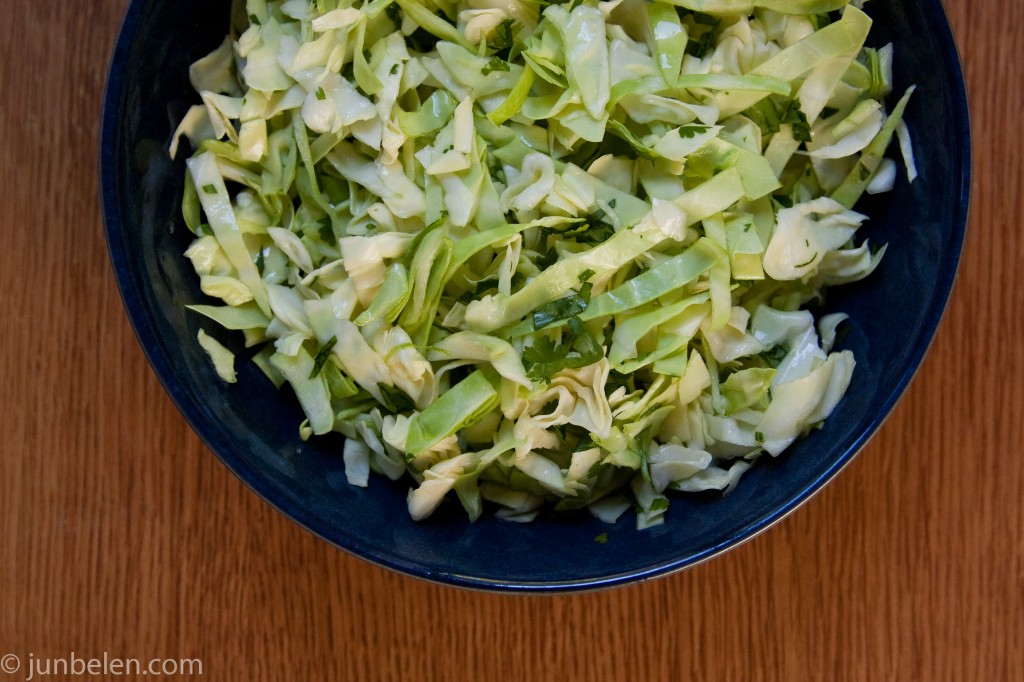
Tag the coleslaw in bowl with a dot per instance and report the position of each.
(254, 438)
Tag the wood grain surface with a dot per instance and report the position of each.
(121, 533)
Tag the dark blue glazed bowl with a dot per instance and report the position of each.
(253, 428)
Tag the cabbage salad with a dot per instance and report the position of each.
(534, 252)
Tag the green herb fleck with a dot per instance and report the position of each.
(798, 120)
(394, 13)
(210, 189)
(774, 355)
(503, 38)
(702, 31)
(394, 69)
(546, 259)
(322, 356)
(586, 442)
(808, 261)
(562, 309)
(691, 131)
(595, 230)
(601, 538)
(326, 231)
(495, 64)
(864, 171)
(320, 94)
(395, 399)
(578, 349)
(770, 115)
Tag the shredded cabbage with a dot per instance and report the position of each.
(526, 252)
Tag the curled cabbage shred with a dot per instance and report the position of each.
(530, 253)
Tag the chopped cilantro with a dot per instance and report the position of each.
(394, 13)
(495, 64)
(326, 231)
(798, 120)
(563, 308)
(774, 355)
(395, 399)
(586, 442)
(578, 349)
(690, 131)
(546, 259)
(702, 31)
(770, 115)
(322, 356)
(503, 37)
(807, 262)
(783, 200)
(593, 229)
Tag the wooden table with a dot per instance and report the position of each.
(121, 533)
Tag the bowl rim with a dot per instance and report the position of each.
(141, 320)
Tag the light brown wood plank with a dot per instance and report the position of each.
(121, 533)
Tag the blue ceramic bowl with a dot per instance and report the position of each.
(253, 428)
